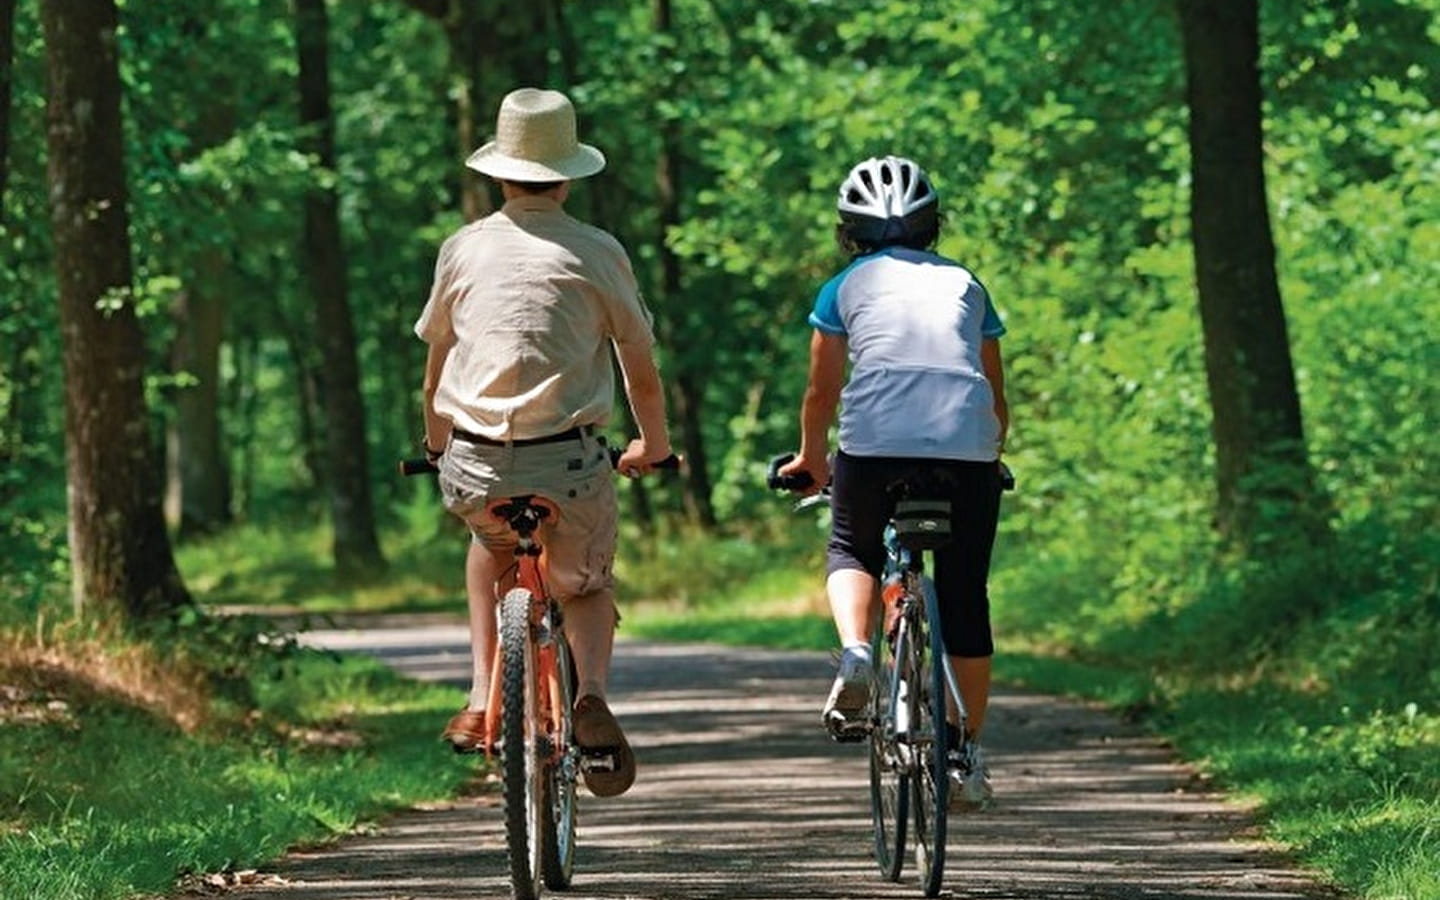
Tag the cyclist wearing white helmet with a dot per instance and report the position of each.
(925, 395)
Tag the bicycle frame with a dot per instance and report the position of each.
(909, 564)
(910, 735)
(529, 574)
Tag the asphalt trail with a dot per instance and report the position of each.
(741, 795)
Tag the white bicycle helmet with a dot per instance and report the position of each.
(886, 200)
(887, 187)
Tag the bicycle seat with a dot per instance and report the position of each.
(523, 512)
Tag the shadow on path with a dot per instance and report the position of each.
(740, 795)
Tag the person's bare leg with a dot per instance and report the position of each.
(853, 604)
(480, 572)
(590, 626)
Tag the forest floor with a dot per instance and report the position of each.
(741, 795)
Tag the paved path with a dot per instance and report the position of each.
(740, 795)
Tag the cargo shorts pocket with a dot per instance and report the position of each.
(581, 552)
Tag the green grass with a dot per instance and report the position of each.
(1305, 685)
(105, 799)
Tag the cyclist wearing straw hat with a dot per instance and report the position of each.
(526, 306)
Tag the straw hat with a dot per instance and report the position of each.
(535, 141)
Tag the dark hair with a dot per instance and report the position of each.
(534, 187)
(858, 235)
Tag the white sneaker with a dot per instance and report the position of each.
(970, 789)
(844, 710)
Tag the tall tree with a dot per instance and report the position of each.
(480, 54)
(686, 390)
(1261, 462)
(356, 548)
(7, 56)
(469, 42)
(197, 493)
(123, 567)
(198, 485)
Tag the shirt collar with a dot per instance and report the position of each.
(531, 203)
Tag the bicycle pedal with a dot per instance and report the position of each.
(602, 760)
(843, 731)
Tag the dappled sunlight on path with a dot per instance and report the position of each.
(740, 795)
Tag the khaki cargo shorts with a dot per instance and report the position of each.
(575, 475)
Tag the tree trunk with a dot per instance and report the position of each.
(686, 394)
(122, 564)
(12, 416)
(7, 77)
(469, 43)
(1261, 463)
(198, 492)
(356, 549)
(197, 497)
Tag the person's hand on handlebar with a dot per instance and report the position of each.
(818, 468)
(640, 458)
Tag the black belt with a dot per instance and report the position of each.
(573, 434)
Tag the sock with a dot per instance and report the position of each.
(859, 649)
(478, 699)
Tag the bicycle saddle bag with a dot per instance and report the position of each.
(922, 524)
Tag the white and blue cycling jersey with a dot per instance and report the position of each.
(913, 322)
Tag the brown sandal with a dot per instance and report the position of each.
(466, 731)
(605, 757)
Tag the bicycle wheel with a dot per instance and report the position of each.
(889, 781)
(931, 780)
(522, 766)
(557, 847)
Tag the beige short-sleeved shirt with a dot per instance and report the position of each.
(529, 299)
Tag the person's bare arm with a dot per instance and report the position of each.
(437, 428)
(817, 410)
(646, 393)
(995, 374)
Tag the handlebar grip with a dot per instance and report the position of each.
(1007, 478)
(417, 466)
(796, 482)
(671, 462)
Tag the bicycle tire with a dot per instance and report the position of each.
(931, 779)
(557, 847)
(889, 779)
(520, 752)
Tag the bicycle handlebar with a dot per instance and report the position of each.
(799, 481)
(419, 465)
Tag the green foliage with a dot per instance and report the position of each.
(1056, 135)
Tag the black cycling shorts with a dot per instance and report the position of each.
(862, 501)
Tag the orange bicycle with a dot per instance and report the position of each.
(529, 716)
